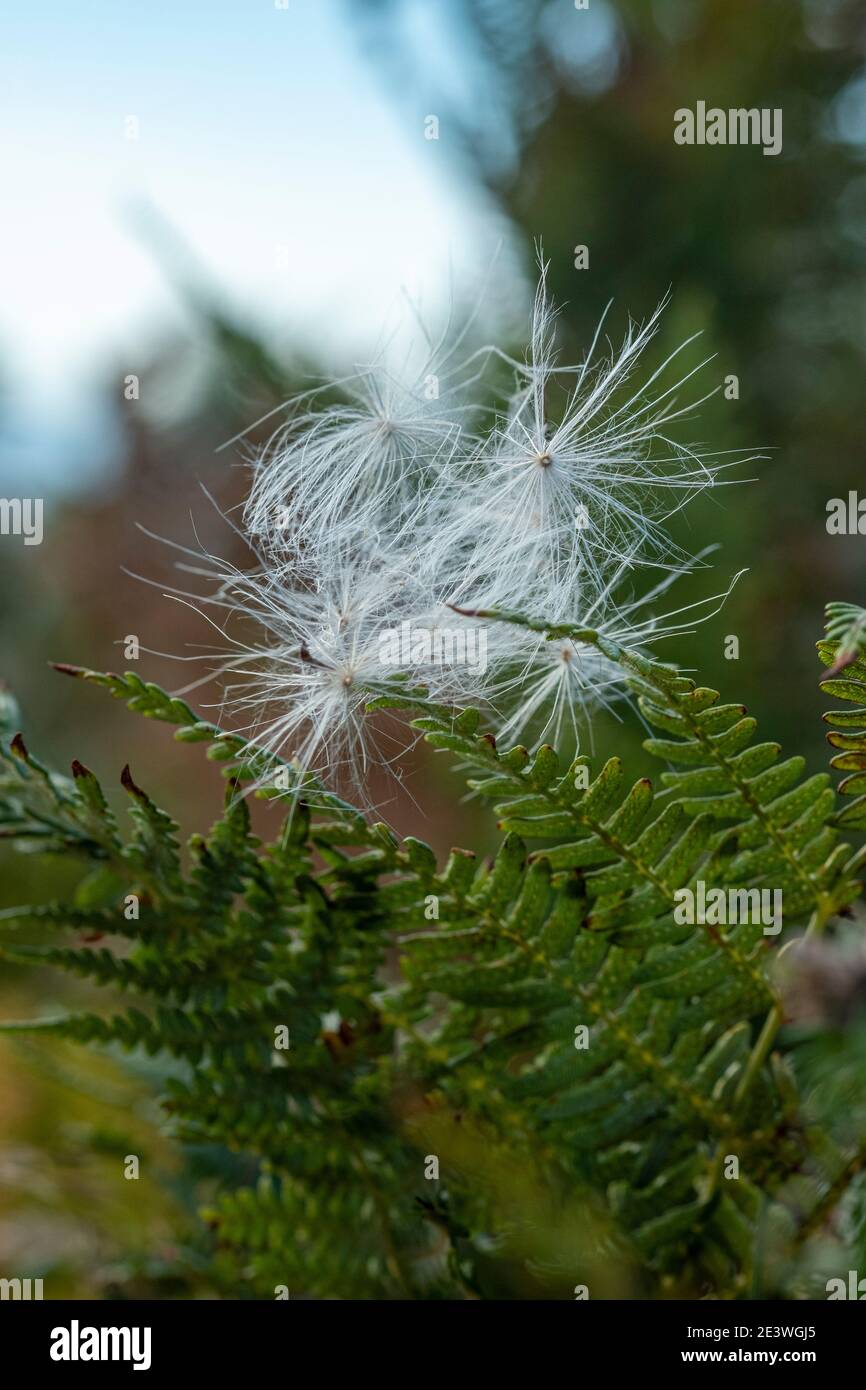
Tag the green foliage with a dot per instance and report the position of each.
(843, 652)
(846, 629)
(586, 1064)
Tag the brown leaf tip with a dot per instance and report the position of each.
(19, 747)
(468, 612)
(842, 661)
(129, 786)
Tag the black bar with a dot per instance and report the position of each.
(220, 1338)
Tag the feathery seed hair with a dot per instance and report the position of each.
(375, 519)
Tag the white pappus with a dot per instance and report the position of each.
(374, 520)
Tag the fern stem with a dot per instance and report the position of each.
(758, 1055)
(764, 1043)
(643, 1058)
(754, 805)
(647, 872)
(775, 1018)
(832, 1196)
(393, 1258)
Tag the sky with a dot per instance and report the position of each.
(259, 131)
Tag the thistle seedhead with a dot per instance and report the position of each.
(359, 467)
(382, 517)
(576, 477)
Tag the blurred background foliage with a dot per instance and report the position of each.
(561, 123)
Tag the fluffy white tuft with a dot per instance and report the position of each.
(373, 516)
